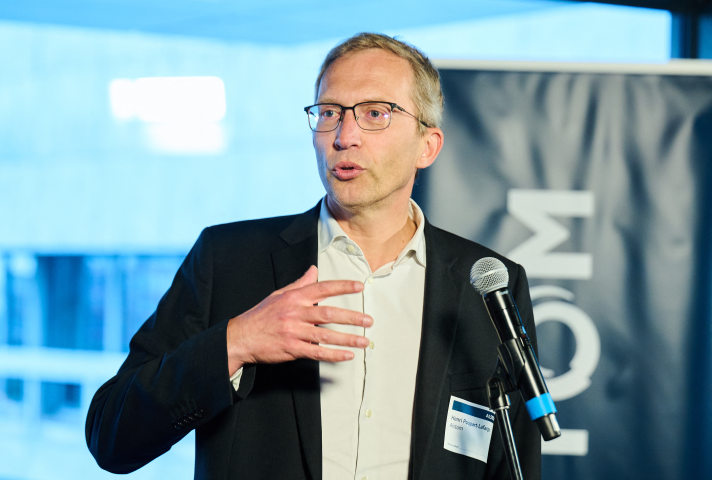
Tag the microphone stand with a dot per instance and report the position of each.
(509, 364)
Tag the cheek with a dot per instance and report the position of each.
(321, 144)
(316, 144)
(318, 152)
(406, 153)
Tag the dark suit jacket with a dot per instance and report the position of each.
(176, 375)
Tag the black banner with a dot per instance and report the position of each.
(597, 183)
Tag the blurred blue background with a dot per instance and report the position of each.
(127, 126)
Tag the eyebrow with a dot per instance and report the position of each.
(331, 100)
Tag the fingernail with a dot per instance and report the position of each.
(367, 321)
(348, 355)
(363, 342)
(358, 286)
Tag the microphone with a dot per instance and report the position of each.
(489, 276)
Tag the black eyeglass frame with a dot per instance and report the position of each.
(394, 106)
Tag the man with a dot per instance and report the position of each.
(237, 347)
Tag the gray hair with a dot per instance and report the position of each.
(427, 94)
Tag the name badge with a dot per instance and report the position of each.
(468, 429)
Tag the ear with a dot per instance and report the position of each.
(432, 144)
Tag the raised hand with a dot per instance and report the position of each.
(283, 326)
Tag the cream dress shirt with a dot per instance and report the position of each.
(367, 403)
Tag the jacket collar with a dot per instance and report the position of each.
(303, 227)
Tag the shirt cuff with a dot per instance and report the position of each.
(235, 379)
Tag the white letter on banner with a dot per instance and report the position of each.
(571, 442)
(588, 342)
(534, 208)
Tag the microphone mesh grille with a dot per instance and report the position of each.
(488, 274)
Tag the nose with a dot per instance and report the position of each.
(348, 133)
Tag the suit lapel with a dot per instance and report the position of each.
(289, 264)
(443, 295)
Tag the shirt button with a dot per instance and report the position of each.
(370, 279)
(371, 345)
(369, 413)
(364, 478)
(351, 248)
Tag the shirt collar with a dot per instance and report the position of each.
(330, 232)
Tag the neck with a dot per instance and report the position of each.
(381, 231)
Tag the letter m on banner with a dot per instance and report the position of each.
(535, 209)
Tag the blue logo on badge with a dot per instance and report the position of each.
(473, 411)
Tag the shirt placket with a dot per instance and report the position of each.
(365, 431)
(369, 445)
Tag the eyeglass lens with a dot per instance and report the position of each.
(369, 116)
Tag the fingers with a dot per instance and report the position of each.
(320, 315)
(324, 336)
(313, 292)
(324, 354)
(316, 292)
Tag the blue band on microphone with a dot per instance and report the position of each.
(540, 406)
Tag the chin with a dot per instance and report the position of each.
(346, 197)
(353, 199)
(346, 200)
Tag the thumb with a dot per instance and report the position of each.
(309, 277)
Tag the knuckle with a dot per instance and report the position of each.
(317, 335)
(288, 315)
(286, 328)
(289, 296)
(291, 347)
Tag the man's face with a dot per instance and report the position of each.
(360, 168)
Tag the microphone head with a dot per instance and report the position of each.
(488, 274)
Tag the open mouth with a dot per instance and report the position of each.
(346, 170)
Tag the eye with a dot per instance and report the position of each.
(329, 112)
(376, 111)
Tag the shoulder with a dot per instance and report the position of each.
(462, 253)
(249, 238)
(269, 233)
(260, 229)
(465, 250)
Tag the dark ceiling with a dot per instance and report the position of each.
(279, 21)
(681, 6)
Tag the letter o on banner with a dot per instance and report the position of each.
(588, 347)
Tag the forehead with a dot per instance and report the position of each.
(372, 74)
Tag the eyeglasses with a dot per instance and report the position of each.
(370, 116)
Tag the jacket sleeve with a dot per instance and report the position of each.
(174, 379)
(526, 434)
